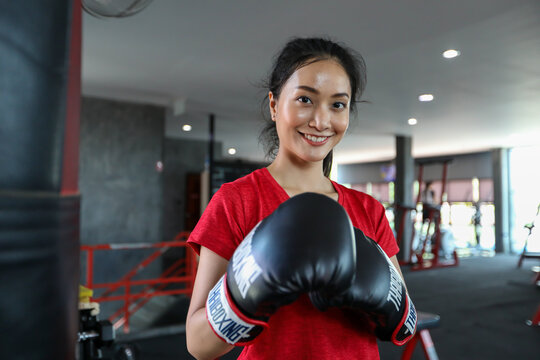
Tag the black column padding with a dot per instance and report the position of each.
(34, 49)
(39, 274)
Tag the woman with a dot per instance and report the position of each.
(312, 89)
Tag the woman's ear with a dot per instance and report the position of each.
(272, 104)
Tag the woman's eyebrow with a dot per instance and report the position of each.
(315, 91)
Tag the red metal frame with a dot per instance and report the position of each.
(535, 320)
(427, 346)
(182, 271)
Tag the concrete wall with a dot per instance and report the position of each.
(121, 190)
(120, 186)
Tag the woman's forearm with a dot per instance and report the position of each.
(202, 342)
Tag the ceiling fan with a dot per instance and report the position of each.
(114, 8)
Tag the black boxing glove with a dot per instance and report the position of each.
(377, 290)
(306, 245)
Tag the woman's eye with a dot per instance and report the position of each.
(304, 99)
(340, 105)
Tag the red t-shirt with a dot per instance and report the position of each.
(297, 330)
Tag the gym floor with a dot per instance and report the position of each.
(483, 304)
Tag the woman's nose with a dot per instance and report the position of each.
(321, 119)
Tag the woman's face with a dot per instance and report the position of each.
(312, 112)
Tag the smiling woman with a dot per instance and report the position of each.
(298, 54)
(311, 113)
(278, 246)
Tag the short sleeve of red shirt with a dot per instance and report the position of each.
(220, 226)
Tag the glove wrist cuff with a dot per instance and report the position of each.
(407, 326)
(226, 320)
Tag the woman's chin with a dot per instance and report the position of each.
(314, 157)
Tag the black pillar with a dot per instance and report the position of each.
(403, 196)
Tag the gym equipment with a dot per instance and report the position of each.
(526, 254)
(427, 253)
(426, 321)
(39, 202)
(535, 320)
(93, 335)
(96, 338)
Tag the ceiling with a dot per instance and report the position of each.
(211, 57)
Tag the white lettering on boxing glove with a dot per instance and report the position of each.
(224, 320)
(395, 293)
(245, 268)
(410, 321)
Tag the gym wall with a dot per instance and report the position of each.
(124, 197)
(121, 191)
(120, 187)
(463, 166)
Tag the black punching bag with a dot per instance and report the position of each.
(39, 226)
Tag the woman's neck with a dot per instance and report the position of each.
(299, 177)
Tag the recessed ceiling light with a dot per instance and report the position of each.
(450, 53)
(231, 151)
(412, 121)
(186, 127)
(426, 97)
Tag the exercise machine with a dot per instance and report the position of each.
(526, 254)
(96, 338)
(426, 252)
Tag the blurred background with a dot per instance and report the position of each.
(163, 103)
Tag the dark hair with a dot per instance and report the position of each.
(300, 52)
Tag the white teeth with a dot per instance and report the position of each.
(315, 138)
